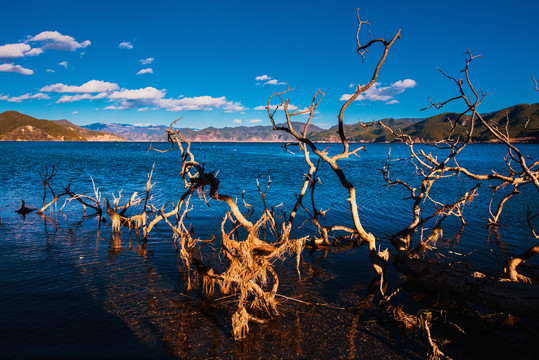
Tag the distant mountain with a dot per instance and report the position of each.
(523, 122)
(434, 128)
(237, 134)
(15, 126)
(89, 135)
(259, 133)
(523, 126)
(131, 132)
(365, 132)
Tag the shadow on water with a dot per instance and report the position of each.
(191, 327)
(74, 294)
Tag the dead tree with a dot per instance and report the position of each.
(425, 207)
(490, 291)
(94, 203)
(249, 272)
(251, 242)
(378, 259)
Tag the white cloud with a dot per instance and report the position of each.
(147, 61)
(391, 102)
(34, 52)
(261, 107)
(78, 97)
(75, 112)
(236, 121)
(16, 69)
(129, 99)
(112, 107)
(12, 51)
(352, 85)
(405, 84)
(18, 99)
(145, 71)
(382, 93)
(49, 70)
(149, 96)
(92, 86)
(193, 103)
(40, 96)
(270, 80)
(274, 82)
(255, 121)
(63, 63)
(231, 106)
(143, 99)
(53, 40)
(198, 103)
(47, 39)
(138, 94)
(125, 45)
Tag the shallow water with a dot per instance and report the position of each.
(70, 291)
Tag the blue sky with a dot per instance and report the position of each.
(215, 63)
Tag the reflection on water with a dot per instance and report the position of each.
(70, 289)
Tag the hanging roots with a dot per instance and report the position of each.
(240, 323)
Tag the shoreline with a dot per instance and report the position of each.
(513, 141)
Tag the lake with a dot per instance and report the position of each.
(70, 291)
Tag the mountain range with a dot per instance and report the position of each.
(523, 126)
(522, 121)
(15, 126)
(237, 134)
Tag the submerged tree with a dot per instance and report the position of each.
(240, 260)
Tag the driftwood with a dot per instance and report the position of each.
(23, 210)
(511, 268)
(517, 298)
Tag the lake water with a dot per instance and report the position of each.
(69, 291)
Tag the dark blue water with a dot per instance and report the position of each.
(68, 290)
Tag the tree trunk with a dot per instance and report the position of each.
(517, 298)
